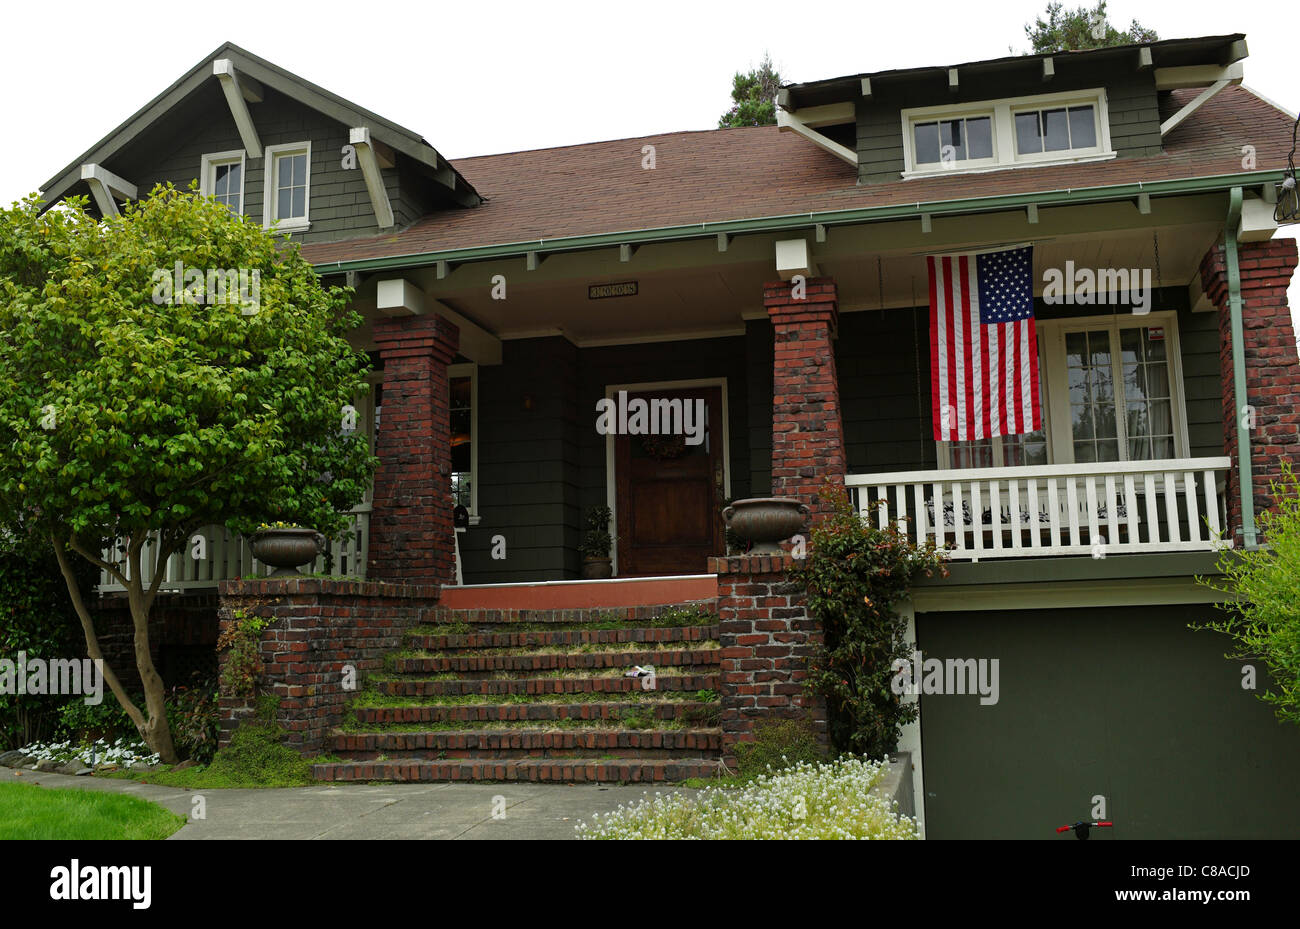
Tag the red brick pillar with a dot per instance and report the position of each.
(807, 429)
(768, 640)
(412, 539)
(1272, 371)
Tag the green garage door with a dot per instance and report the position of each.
(1127, 703)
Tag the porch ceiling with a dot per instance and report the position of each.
(692, 289)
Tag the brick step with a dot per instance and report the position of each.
(646, 615)
(472, 664)
(577, 636)
(529, 712)
(417, 687)
(569, 770)
(472, 743)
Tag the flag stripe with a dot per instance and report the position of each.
(983, 345)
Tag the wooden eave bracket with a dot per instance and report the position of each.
(369, 158)
(107, 188)
(792, 122)
(1219, 79)
(239, 91)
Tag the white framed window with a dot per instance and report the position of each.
(222, 176)
(462, 381)
(1119, 388)
(990, 135)
(287, 187)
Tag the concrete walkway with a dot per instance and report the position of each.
(364, 811)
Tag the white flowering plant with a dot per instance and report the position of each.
(122, 753)
(831, 800)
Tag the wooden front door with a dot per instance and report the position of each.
(669, 492)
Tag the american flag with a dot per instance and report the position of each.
(983, 350)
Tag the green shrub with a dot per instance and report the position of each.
(194, 717)
(1263, 610)
(36, 617)
(777, 744)
(855, 574)
(257, 755)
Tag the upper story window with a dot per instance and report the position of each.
(223, 178)
(1015, 132)
(288, 185)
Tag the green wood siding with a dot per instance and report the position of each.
(883, 364)
(340, 206)
(1131, 101)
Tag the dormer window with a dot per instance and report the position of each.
(1010, 133)
(288, 186)
(223, 178)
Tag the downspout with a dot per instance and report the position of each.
(1245, 478)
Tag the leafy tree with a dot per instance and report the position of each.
(1263, 605)
(753, 97)
(138, 411)
(1074, 30)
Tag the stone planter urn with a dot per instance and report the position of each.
(765, 521)
(286, 549)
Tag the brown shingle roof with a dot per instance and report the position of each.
(730, 174)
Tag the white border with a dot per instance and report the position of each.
(269, 189)
(208, 162)
(611, 487)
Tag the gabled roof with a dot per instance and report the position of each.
(400, 139)
(724, 175)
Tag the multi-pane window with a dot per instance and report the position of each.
(1056, 129)
(1121, 405)
(288, 184)
(987, 135)
(223, 179)
(966, 139)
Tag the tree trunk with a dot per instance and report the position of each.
(155, 731)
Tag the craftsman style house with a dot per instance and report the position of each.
(779, 280)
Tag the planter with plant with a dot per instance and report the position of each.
(286, 547)
(596, 544)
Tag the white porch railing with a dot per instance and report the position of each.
(1107, 508)
(229, 556)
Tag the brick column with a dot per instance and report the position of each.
(412, 539)
(767, 640)
(1272, 371)
(807, 429)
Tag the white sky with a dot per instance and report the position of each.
(489, 77)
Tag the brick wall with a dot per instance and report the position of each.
(319, 627)
(1272, 371)
(767, 640)
(412, 539)
(807, 428)
(177, 621)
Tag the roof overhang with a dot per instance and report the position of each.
(1219, 51)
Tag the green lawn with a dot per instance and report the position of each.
(31, 812)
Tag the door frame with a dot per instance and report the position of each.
(611, 485)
